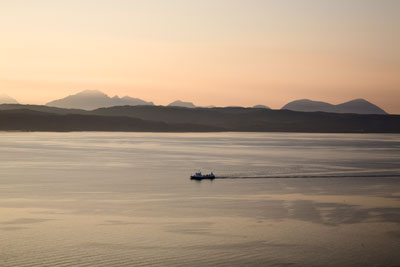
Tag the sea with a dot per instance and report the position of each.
(126, 199)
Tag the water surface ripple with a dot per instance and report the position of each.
(125, 199)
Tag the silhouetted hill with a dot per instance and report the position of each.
(206, 116)
(5, 99)
(179, 119)
(41, 108)
(92, 99)
(357, 106)
(179, 103)
(259, 120)
(261, 106)
(28, 120)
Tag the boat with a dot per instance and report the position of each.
(200, 176)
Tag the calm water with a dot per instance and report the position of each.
(125, 199)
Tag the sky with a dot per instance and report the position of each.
(210, 52)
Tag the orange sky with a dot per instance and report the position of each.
(226, 52)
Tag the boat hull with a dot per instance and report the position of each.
(204, 177)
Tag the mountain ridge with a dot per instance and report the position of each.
(179, 103)
(356, 106)
(164, 119)
(93, 99)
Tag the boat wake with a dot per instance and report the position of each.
(395, 175)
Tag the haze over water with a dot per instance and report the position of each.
(125, 199)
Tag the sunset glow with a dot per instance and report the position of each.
(226, 52)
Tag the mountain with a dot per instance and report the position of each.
(93, 99)
(357, 106)
(360, 106)
(261, 106)
(5, 99)
(179, 103)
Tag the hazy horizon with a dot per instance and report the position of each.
(150, 101)
(223, 53)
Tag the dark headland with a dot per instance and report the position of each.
(148, 118)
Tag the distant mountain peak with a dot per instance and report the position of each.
(357, 106)
(361, 106)
(180, 103)
(94, 99)
(261, 106)
(5, 99)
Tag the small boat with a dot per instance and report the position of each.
(200, 176)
